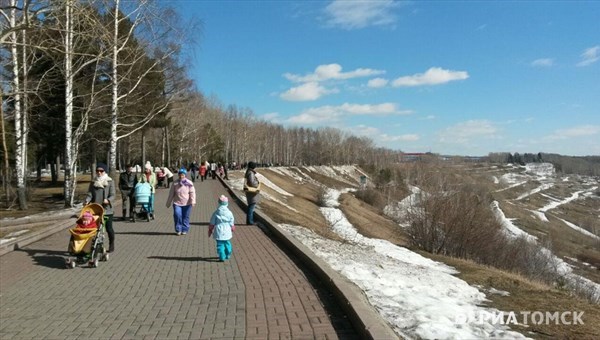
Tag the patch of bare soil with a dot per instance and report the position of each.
(370, 222)
(45, 196)
(326, 180)
(528, 296)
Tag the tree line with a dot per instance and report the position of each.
(84, 81)
(582, 165)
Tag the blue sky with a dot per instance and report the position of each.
(449, 77)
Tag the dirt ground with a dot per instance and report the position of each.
(44, 196)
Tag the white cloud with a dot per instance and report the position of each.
(464, 132)
(306, 92)
(331, 71)
(433, 76)
(376, 134)
(574, 132)
(590, 56)
(377, 82)
(544, 62)
(359, 14)
(330, 113)
(270, 116)
(401, 138)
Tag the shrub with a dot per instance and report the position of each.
(322, 196)
(372, 197)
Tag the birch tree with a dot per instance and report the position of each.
(19, 115)
(149, 58)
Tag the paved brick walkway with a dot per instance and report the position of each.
(158, 285)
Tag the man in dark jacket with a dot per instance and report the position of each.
(127, 182)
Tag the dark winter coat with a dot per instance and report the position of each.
(127, 181)
(251, 181)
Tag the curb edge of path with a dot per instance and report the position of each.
(27, 239)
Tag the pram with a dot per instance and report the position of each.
(86, 245)
(142, 193)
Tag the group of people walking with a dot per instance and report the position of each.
(182, 197)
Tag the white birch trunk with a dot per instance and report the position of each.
(69, 145)
(115, 94)
(25, 101)
(20, 142)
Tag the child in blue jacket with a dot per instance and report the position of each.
(221, 228)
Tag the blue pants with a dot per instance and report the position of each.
(250, 215)
(151, 204)
(224, 249)
(181, 217)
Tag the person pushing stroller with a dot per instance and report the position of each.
(86, 244)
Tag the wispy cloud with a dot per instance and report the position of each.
(331, 72)
(590, 56)
(544, 62)
(574, 132)
(377, 82)
(328, 113)
(377, 135)
(271, 116)
(306, 92)
(360, 14)
(465, 132)
(433, 76)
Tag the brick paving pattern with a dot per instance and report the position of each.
(158, 285)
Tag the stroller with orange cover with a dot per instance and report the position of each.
(86, 245)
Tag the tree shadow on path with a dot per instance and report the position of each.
(149, 233)
(191, 259)
(47, 258)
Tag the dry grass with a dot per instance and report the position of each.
(370, 222)
(45, 196)
(527, 295)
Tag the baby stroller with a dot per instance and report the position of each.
(86, 245)
(142, 193)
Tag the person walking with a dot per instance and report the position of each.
(149, 177)
(213, 170)
(203, 171)
(102, 191)
(169, 176)
(194, 167)
(183, 197)
(221, 227)
(127, 182)
(252, 189)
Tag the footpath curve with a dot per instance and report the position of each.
(163, 286)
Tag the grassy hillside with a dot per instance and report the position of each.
(522, 193)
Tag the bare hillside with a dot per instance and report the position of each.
(321, 201)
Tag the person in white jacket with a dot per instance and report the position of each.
(168, 175)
